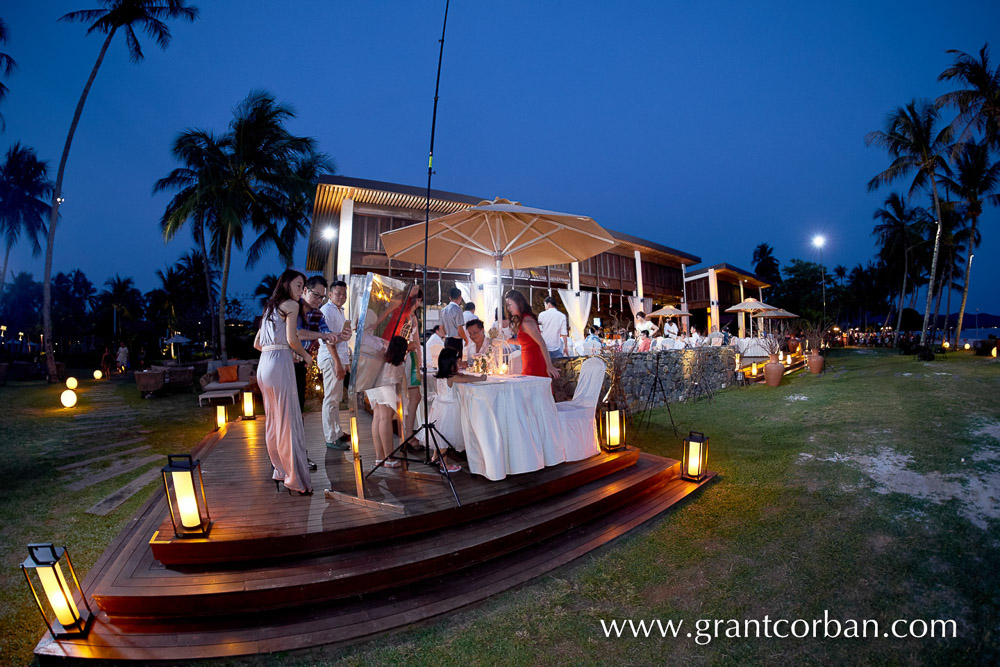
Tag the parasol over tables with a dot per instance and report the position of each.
(501, 233)
(751, 306)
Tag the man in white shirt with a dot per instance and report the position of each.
(435, 343)
(671, 329)
(480, 343)
(334, 360)
(554, 329)
(469, 314)
(451, 317)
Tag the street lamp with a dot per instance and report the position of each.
(818, 242)
(329, 233)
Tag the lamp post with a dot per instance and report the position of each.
(818, 242)
(329, 234)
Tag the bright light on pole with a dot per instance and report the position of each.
(329, 233)
(818, 242)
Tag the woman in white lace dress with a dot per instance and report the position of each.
(276, 340)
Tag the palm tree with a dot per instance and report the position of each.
(124, 298)
(265, 288)
(243, 178)
(911, 139)
(7, 65)
(979, 104)
(765, 264)
(896, 233)
(124, 15)
(24, 184)
(840, 271)
(976, 181)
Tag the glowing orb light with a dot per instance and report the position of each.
(68, 398)
(71, 383)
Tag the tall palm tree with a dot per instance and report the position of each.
(123, 297)
(913, 142)
(24, 185)
(124, 15)
(243, 179)
(7, 65)
(840, 271)
(265, 288)
(896, 233)
(976, 182)
(979, 103)
(765, 264)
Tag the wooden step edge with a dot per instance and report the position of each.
(433, 562)
(196, 552)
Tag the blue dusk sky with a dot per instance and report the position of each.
(708, 127)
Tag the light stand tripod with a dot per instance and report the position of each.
(698, 373)
(432, 435)
(657, 386)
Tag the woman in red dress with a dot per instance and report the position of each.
(534, 352)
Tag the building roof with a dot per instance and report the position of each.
(332, 190)
(728, 271)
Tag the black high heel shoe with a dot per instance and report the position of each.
(301, 493)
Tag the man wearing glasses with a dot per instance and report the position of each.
(312, 329)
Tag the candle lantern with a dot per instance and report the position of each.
(248, 405)
(694, 459)
(46, 561)
(753, 369)
(354, 436)
(188, 513)
(220, 417)
(611, 427)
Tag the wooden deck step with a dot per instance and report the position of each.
(155, 592)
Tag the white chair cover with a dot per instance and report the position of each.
(578, 416)
(629, 345)
(514, 365)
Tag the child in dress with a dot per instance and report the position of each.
(445, 412)
(383, 399)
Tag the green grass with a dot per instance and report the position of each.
(795, 525)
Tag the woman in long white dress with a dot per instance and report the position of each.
(276, 340)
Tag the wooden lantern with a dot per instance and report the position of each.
(248, 405)
(188, 513)
(611, 427)
(220, 417)
(694, 459)
(64, 618)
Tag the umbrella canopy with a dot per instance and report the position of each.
(502, 234)
(668, 311)
(749, 306)
(780, 313)
(177, 339)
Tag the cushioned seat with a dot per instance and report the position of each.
(577, 417)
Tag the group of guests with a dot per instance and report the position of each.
(673, 337)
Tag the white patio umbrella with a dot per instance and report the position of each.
(501, 233)
(668, 311)
(750, 306)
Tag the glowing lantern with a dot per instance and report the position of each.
(694, 459)
(71, 383)
(354, 436)
(737, 362)
(45, 560)
(968, 347)
(68, 398)
(248, 405)
(781, 356)
(220, 416)
(98, 375)
(994, 353)
(503, 369)
(189, 516)
(753, 369)
(946, 345)
(611, 427)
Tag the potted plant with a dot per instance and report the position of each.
(814, 338)
(774, 370)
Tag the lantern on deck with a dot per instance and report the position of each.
(45, 560)
(188, 513)
(220, 417)
(753, 369)
(248, 405)
(354, 436)
(611, 427)
(694, 459)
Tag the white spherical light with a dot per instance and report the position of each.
(68, 398)
(98, 375)
(71, 383)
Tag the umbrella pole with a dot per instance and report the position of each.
(500, 300)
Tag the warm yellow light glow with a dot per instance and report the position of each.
(781, 356)
(753, 369)
(994, 353)
(946, 345)
(248, 404)
(694, 459)
(220, 416)
(60, 599)
(187, 503)
(98, 375)
(71, 383)
(503, 369)
(968, 347)
(737, 361)
(614, 431)
(354, 435)
(68, 398)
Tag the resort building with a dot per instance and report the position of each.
(349, 214)
(713, 289)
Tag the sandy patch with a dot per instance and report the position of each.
(988, 452)
(796, 397)
(978, 496)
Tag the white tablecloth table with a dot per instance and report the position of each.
(510, 425)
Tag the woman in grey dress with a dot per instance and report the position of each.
(276, 340)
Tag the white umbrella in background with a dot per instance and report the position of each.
(750, 306)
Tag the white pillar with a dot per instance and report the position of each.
(742, 315)
(685, 320)
(345, 238)
(638, 274)
(574, 270)
(713, 297)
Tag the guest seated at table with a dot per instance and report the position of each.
(592, 336)
(383, 399)
(534, 351)
(695, 339)
(481, 344)
(644, 341)
(715, 335)
(435, 343)
(445, 413)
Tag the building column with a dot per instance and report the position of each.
(742, 315)
(685, 320)
(638, 274)
(713, 299)
(574, 272)
(345, 239)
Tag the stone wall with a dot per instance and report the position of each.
(681, 372)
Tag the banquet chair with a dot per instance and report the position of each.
(577, 416)
(514, 363)
(629, 345)
(590, 348)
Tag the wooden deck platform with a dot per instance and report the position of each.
(341, 572)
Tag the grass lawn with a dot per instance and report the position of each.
(871, 492)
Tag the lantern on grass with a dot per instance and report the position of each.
(71, 383)
(98, 375)
(694, 458)
(611, 427)
(248, 405)
(354, 436)
(946, 345)
(968, 347)
(994, 353)
(220, 416)
(46, 562)
(188, 505)
(68, 398)
(753, 369)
